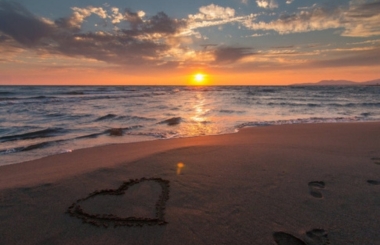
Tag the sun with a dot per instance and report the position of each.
(199, 78)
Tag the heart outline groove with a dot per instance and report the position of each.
(104, 220)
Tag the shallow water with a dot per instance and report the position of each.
(37, 121)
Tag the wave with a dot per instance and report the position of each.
(30, 147)
(371, 104)
(172, 121)
(9, 98)
(116, 117)
(108, 132)
(45, 133)
(41, 97)
(267, 90)
(89, 136)
(294, 104)
(106, 117)
(368, 104)
(80, 96)
(120, 131)
(54, 142)
(74, 93)
(302, 121)
(28, 99)
(230, 111)
(5, 93)
(157, 135)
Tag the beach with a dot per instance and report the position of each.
(286, 184)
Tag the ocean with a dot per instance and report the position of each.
(37, 121)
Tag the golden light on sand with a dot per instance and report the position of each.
(180, 165)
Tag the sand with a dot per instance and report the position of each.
(290, 184)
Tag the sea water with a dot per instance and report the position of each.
(36, 121)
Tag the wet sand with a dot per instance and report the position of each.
(290, 184)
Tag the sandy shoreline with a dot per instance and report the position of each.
(294, 184)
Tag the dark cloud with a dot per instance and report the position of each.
(230, 54)
(135, 45)
(17, 22)
(315, 13)
(118, 49)
(365, 10)
(283, 47)
(161, 23)
(206, 46)
(133, 18)
(65, 24)
(357, 58)
(125, 46)
(356, 20)
(362, 20)
(3, 38)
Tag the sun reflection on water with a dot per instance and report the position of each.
(199, 109)
(201, 121)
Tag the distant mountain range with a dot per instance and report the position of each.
(340, 83)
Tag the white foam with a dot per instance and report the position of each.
(303, 121)
(65, 151)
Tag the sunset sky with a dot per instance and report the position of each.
(235, 42)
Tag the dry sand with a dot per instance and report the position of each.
(290, 184)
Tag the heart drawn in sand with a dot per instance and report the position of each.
(105, 220)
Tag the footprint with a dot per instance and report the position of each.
(373, 182)
(317, 237)
(282, 238)
(376, 160)
(314, 187)
(313, 237)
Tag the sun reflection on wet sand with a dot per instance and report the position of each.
(180, 165)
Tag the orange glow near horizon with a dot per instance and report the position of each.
(66, 76)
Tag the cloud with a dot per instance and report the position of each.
(161, 23)
(289, 1)
(3, 38)
(365, 57)
(304, 21)
(133, 18)
(213, 15)
(17, 22)
(360, 20)
(213, 12)
(271, 4)
(161, 41)
(225, 54)
(74, 22)
(145, 42)
(283, 47)
(118, 49)
(116, 16)
(290, 59)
